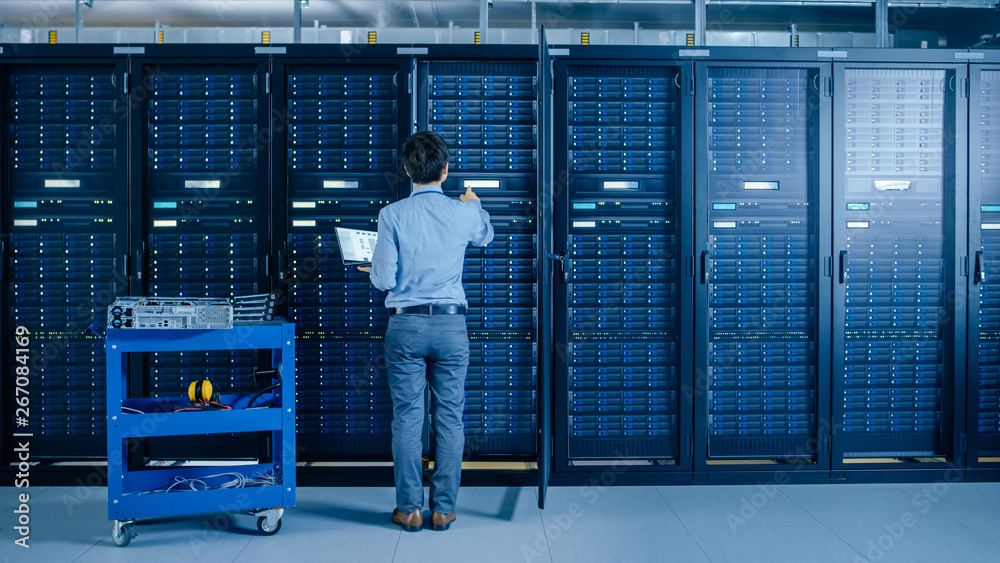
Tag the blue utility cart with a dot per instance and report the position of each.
(148, 492)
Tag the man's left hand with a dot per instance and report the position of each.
(365, 269)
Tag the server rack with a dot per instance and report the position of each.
(546, 259)
(64, 147)
(983, 414)
(621, 133)
(4, 243)
(345, 122)
(205, 186)
(760, 356)
(487, 112)
(954, 404)
(898, 257)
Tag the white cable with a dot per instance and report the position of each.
(238, 481)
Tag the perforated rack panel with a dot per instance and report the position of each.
(893, 262)
(487, 113)
(342, 142)
(207, 224)
(762, 317)
(623, 268)
(985, 382)
(65, 168)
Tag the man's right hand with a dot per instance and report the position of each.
(469, 194)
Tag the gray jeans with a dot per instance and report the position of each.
(414, 342)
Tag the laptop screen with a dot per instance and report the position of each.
(356, 246)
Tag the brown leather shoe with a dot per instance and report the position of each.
(441, 522)
(410, 522)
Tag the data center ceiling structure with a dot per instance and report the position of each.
(941, 23)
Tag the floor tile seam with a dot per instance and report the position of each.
(893, 488)
(395, 550)
(95, 544)
(244, 548)
(545, 533)
(541, 519)
(995, 542)
(793, 501)
(665, 501)
(823, 524)
(974, 531)
(548, 548)
(679, 519)
(932, 506)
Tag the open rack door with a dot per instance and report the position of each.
(545, 267)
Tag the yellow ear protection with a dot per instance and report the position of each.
(202, 392)
(204, 397)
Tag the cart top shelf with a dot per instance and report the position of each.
(244, 336)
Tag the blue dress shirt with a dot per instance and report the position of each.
(421, 247)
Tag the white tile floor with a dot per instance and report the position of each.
(722, 524)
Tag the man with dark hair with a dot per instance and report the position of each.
(418, 260)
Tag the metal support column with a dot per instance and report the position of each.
(79, 21)
(296, 21)
(484, 21)
(534, 23)
(882, 23)
(699, 22)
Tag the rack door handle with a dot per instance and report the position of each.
(979, 275)
(843, 265)
(139, 256)
(704, 266)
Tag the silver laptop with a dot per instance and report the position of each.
(356, 246)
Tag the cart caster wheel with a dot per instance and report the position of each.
(267, 529)
(121, 533)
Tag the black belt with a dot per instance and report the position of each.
(429, 310)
